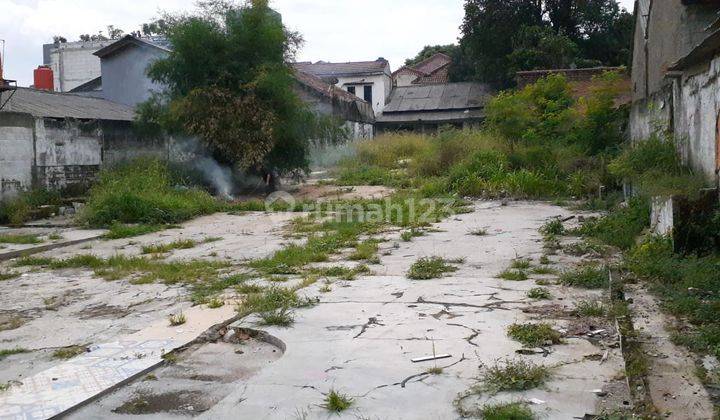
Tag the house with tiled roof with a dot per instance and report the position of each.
(368, 80)
(432, 70)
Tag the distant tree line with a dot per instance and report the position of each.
(500, 37)
(156, 27)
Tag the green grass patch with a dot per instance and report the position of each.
(507, 411)
(514, 375)
(586, 277)
(513, 275)
(142, 192)
(553, 227)
(163, 248)
(9, 352)
(521, 264)
(365, 251)
(337, 402)
(144, 270)
(539, 293)
(281, 317)
(66, 353)
(19, 239)
(29, 261)
(590, 308)
(177, 319)
(409, 235)
(430, 268)
(621, 227)
(9, 276)
(534, 335)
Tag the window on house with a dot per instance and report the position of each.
(351, 89)
(367, 94)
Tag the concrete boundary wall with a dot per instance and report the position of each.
(61, 154)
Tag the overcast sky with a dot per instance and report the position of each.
(334, 30)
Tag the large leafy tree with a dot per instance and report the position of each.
(229, 82)
(500, 37)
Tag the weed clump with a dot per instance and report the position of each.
(507, 411)
(553, 227)
(534, 335)
(429, 268)
(142, 192)
(621, 227)
(282, 317)
(68, 352)
(513, 275)
(9, 276)
(19, 239)
(337, 402)
(177, 319)
(590, 308)
(9, 352)
(164, 248)
(586, 277)
(514, 375)
(539, 293)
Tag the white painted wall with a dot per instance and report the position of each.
(16, 159)
(381, 85)
(405, 79)
(73, 63)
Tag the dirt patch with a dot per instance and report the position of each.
(314, 192)
(180, 402)
(12, 320)
(552, 310)
(103, 311)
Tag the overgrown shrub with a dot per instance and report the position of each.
(689, 287)
(621, 227)
(141, 192)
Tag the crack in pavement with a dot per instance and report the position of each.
(490, 306)
(471, 337)
(371, 321)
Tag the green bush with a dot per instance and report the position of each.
(141, 192)
(621, 227)
(689, 288)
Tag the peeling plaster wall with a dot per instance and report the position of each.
(698, 104)
(16, 153)
(58, 154)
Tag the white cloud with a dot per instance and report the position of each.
(337, 30)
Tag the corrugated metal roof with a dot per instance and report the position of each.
(432, 116)
(40, 103)
(448, 96)
(360, 68)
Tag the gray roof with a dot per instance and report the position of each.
(432, 116)
(128, 40)
(40, 103)
(359, 68)
(440, 97)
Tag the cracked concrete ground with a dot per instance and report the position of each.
(42, 310)
(362, 336)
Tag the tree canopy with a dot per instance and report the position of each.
(500, 37)
(229, 82)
